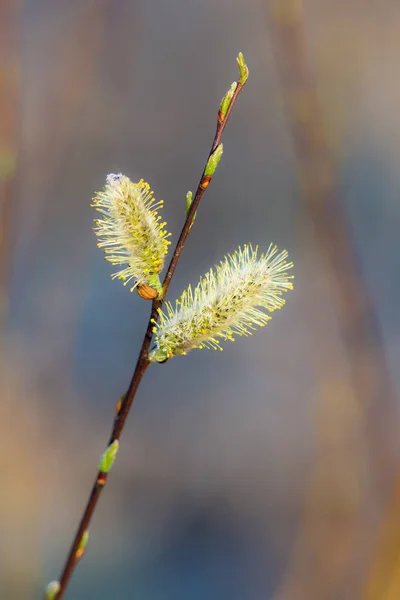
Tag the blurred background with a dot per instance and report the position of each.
(268, 471)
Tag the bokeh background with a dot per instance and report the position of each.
(268, 471)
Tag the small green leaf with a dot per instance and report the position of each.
(226, 101)
(52, 590)
(108, 457)
(243, 68)
(213, 161)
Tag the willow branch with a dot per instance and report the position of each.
(124, 405)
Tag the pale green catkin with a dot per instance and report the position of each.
(226, 302)
(130, 231)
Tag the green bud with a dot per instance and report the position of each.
(243, 68)
(158, 355)
(82, 544)
(213, 161)
(226, 100)
(154, 281)
(52, 590)
(108, 457)
(189, 200)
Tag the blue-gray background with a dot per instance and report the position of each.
(227, 457)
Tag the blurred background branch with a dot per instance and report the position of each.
(333, 519)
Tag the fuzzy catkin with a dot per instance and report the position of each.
(226, 302)
(130, 231)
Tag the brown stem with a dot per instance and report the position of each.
(142, 362)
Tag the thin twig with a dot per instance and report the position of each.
(199, 193)
(143, 362)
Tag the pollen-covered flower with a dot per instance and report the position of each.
(131, 232)
(227, 302)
